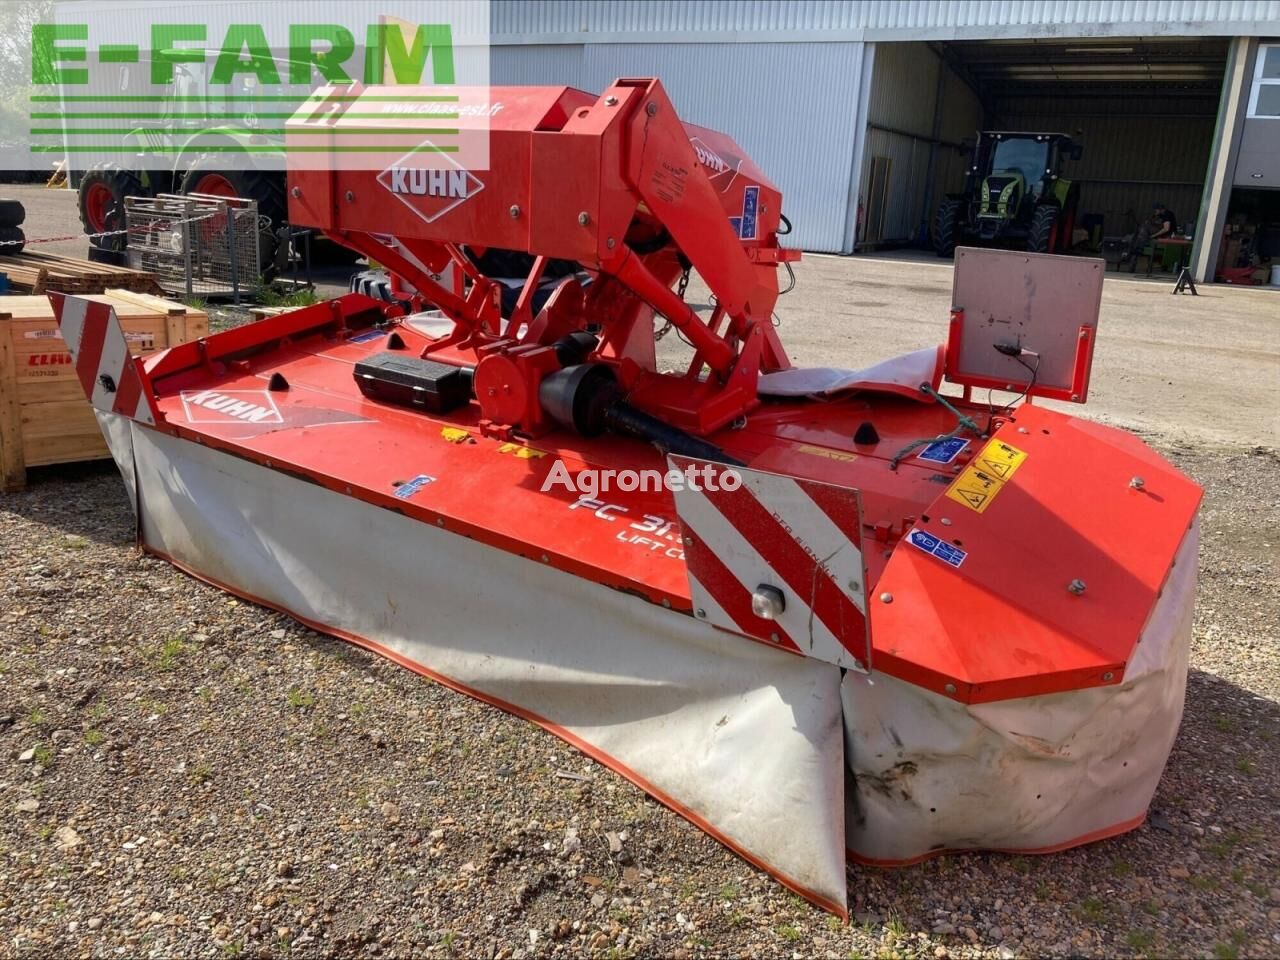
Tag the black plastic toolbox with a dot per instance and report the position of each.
(410, 382)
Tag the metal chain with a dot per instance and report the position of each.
(681, 287)
(110, 233)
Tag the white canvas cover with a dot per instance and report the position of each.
(751, 744)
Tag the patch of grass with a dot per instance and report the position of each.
(1139, 939)
(1226, 723)
(1204, 883)
(73, 542)
(897, 929)
(447, 939)
(1151, 907)
(166, 656)
(1245, 765)
(196, 303)
(43, 755)
(36, 718)
(94, 737)
(268, 296)
(730, 891)
(300, 699)
(1226, 951)
(1121, 868)
(4, 668)
(1092, 909)
(1259, 890)
(789, 933)
(98, 710)
(202, 772)
(151, 705)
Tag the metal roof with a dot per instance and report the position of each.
(1177, 60)
(738, 21)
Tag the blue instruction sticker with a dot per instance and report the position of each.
(367, 336)
(745, 225)
(937, 547)
(409, 488)
(942, 451)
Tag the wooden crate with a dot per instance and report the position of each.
(44, 416)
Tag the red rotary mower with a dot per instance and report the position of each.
(865, 616)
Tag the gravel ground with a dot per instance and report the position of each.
(183, 773)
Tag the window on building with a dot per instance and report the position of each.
(1265, 100)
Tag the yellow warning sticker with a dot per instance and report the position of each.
(827, 453)
(985, 476)
(454, 435)
(1000, 459)
(522, 452)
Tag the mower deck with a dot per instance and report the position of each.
(972, 645)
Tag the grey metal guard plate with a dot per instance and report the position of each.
(1037, 300)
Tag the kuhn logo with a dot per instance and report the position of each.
(721, 170)
(708, 157)
(429, 191)
(231, 406)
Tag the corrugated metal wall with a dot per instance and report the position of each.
(1130, 161)
(791, 106)
(914, 125)
(522, 21)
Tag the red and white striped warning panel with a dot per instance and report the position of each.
(776, 558)
(109, 375)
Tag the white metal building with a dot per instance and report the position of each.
(857, 109)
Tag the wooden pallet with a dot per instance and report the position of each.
(44, 416)
(40, 272)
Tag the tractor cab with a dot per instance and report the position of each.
(1014, 195)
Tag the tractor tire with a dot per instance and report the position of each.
(946, 226)
(12, 240)
(101, 200)
(12, 213)
(1043, 234)
(207, 177)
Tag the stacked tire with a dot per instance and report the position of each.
(377, 284)
(12, 216)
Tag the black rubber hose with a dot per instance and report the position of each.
(625, 418)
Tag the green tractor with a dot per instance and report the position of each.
(1014, 196)
(198, 148)
(181, 134)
